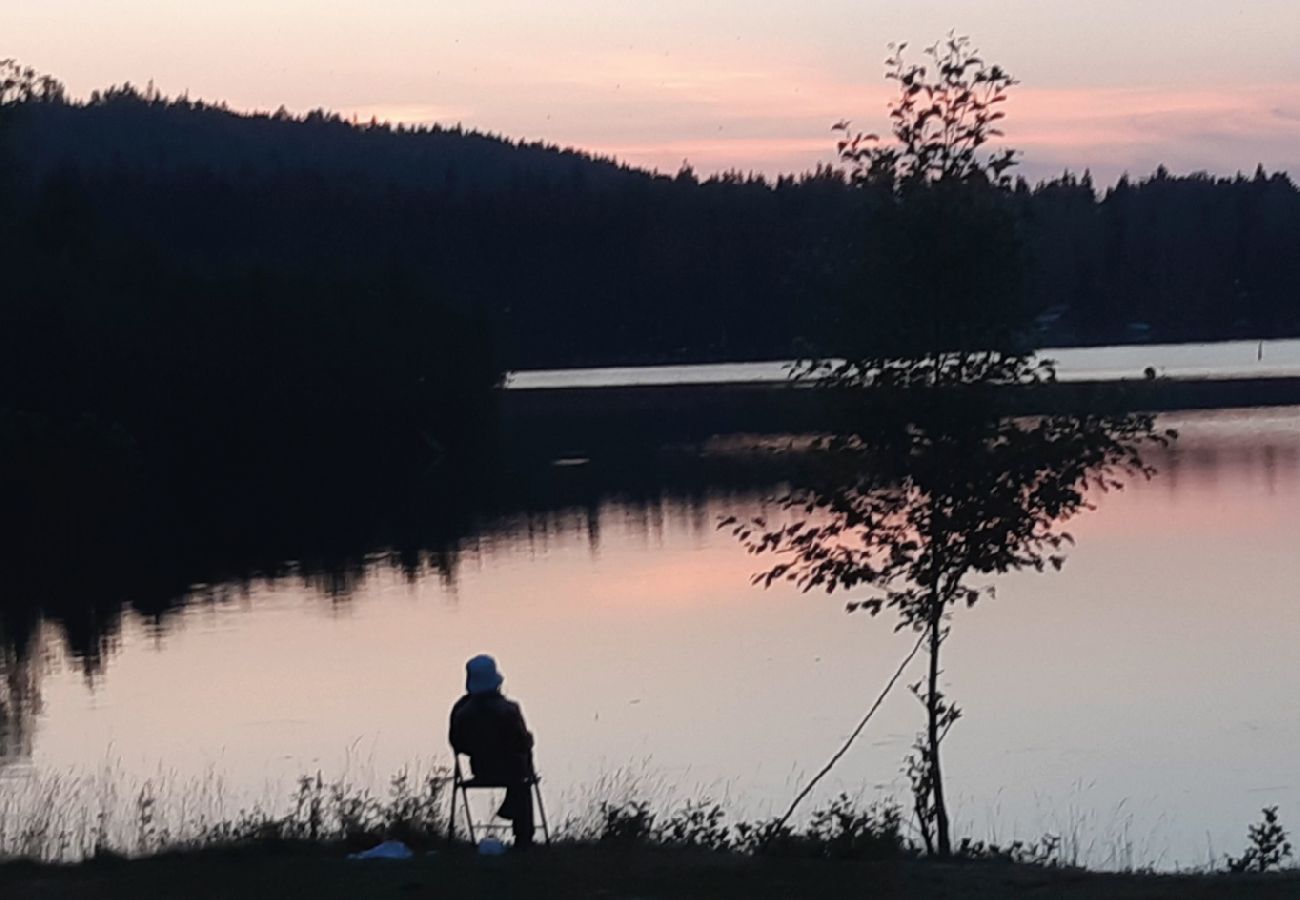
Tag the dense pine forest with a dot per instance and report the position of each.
(569, 260)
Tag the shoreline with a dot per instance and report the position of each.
(573, 418)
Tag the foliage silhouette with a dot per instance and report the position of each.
(23, 84)
(926, 484)
(941, 238)
(627, 823)
(1269, 845)
(841, 829)
(1046, 851)
(699, 825)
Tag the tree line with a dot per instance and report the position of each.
(573, 260)
(131, 303)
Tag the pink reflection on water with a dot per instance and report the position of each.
(1150, 685)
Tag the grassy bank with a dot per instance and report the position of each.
(163, 837)
(613, 873)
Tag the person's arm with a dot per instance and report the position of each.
(456, 730)
(520, 736)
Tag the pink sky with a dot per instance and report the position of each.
(1113, 85)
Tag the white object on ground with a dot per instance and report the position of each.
(386, 850)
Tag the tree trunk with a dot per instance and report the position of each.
(936, 774)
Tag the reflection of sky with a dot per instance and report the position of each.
(1155, 677)
(1112, 84)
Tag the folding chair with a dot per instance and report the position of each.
(460, 785)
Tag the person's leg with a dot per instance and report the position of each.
(519, 803)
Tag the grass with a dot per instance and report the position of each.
(98, 837)
(74, 817)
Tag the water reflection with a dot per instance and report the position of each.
(1158, 667)
(20, 700)
(1263, 446)
(67, 597)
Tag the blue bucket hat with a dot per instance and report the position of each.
(481, 675)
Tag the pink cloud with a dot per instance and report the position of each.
(1111, 130)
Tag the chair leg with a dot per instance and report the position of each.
(451, 813)
(541, 811)
(457, 784)
(469, 816)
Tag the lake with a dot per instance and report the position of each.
(1141, 703)
(1220, 360)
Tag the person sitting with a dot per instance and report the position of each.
(490, 730)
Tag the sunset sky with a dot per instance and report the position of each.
(1114, 85)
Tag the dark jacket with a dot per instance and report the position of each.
(490, 730)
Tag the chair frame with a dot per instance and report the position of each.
(460, 788)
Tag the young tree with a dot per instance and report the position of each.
(928, 482)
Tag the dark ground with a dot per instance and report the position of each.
(610, 874)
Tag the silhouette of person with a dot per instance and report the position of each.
(490, 730)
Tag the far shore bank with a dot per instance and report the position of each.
(578, 417)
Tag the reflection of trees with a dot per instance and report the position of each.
(20, 697)
(1264, 452)
(82, 584)
(81, 581)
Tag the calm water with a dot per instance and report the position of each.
(1221, 359)
(1143, 702)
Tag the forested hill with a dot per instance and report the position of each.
(128, 130)
(572, 260)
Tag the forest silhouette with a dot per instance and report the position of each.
(573, 260)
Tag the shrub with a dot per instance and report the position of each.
(1046, 851)
(697, 825)
(627, 823)
(843, 831)
(839, 830)
(771, 837)
(1268, 846)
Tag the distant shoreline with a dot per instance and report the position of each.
(1216, 360)
(583, 417)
